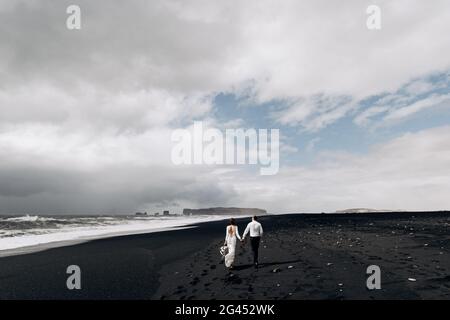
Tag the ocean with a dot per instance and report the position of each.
(19, 232)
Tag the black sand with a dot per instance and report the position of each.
(302, 257)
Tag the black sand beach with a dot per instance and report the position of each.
(302, 257)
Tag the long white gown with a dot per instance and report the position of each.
(231, 236)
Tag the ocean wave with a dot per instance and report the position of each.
(28, 218)
(26, 231)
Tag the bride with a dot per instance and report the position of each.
(231, 235)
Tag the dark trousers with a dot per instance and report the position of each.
(254, 242)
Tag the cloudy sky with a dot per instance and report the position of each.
(86, 116)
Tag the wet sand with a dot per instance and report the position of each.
(301, 257)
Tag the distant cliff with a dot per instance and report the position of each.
(225, 211)
(361, 210)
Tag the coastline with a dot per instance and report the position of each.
(64, 237)
(64, 243)
(302, 257)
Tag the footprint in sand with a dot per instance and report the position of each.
(195, 281)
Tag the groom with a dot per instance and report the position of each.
(256, 232)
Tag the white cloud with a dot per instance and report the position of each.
(407, 173)
(312, 144)
(417, 106)
(315, 112)
(89, 106)
(417, 95)
(419, 87)
(363, 118)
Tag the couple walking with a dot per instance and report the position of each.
(232, 235)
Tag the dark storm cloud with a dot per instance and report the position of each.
(112, 191)
(71, 99)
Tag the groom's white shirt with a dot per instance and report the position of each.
(254, 228)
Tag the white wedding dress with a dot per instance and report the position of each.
(231, 237)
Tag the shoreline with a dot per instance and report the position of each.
(314, 257)
(102, 234)
(64, 243)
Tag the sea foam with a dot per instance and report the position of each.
(34, 231)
